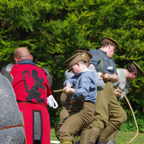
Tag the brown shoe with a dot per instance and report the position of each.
(110, 142)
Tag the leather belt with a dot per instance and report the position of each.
(74, 100)
(10, 126)
(31, 103)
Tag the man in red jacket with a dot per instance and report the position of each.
(32, 89)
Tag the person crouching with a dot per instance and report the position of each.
(81, 88)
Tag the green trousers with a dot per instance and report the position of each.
(107, 112)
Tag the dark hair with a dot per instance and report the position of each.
(104, 44)
(130, 68)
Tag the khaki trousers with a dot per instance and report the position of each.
(68, 108)
(113, 135)
(65, 112)
(107, 111)
(80, 116)
(63, 115)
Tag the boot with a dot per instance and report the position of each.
(110, 142)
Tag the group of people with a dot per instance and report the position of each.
(90, 107)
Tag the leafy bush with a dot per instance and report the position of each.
(130, 124)
(52, 30)
(54, 116)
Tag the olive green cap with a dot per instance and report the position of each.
(109, 40)
(73, 60)
(85, 55)
(137, 68)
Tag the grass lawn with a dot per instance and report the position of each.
(53, 137)
(122, 137)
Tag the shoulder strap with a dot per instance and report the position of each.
(101, 62)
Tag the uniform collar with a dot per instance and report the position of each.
(103, 54)
(26, 61)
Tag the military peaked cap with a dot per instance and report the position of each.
(109, 40)
(84, 54)
(137, 68)
(73, 60)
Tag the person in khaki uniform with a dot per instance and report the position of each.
(63, 98)
(104, 64)
(83, 93)
(125, 76)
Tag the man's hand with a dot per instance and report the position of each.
(106, 77)
(117, 94)
(112, 77)
(68, 90)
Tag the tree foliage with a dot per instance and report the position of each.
(52, 30)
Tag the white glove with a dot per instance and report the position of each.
(52, 102)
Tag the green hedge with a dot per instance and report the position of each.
(52, 30)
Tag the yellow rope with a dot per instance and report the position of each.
(133, 115)
(60, 90)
